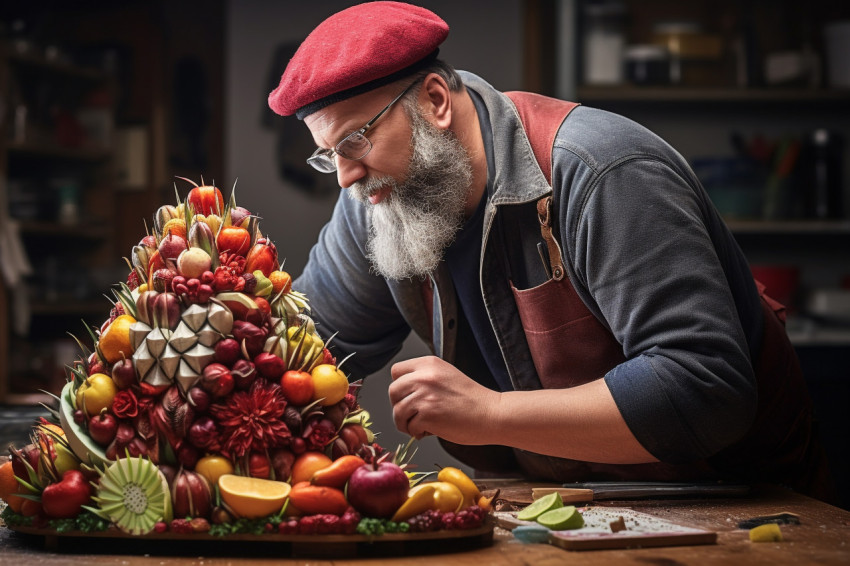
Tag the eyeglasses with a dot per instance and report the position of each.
(354, 146)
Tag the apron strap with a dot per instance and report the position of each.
(544, 215)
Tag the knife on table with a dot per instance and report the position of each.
(597, 491)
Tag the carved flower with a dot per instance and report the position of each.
(125, 405)
(252, 420)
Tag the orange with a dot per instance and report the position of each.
(176, 226)
(252, 498)
(281, 281)
(116, 339)
(213, 467)
(308, 464)
(329, 384)
(9, 486)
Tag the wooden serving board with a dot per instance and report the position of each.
(389, 544)
(641, 530)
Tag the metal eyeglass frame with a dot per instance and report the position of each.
(322, 159)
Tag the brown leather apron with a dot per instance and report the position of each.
(570, 347)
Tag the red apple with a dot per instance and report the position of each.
(269, 366)
(217, 380)
(199, 399)
(297, 386)
(378, 489)
(64, 499)
(103, 428)
(206, 200)
(123, 373)
(170, 248)
(233, 239)
(227, 352)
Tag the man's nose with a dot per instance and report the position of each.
(348, 171)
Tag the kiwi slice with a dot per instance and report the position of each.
(134, 495)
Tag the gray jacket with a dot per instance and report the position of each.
(644, 248)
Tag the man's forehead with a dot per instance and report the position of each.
(348, 114)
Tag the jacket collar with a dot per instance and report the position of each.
(518, 178)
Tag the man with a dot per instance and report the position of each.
(590, 314)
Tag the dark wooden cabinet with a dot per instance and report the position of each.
(91, 91)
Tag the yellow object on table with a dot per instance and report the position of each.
(766, 533)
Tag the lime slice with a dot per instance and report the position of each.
(562, 519)
(540, 506)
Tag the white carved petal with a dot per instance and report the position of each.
(143, 361)
(186, 377)
(157, 340)
(157, 377)
(138, 331)
(220, 318)
(183, 337)
(199, 357)
(208, 336)
(195, 316)
(169, 360)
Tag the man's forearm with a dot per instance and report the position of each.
(579, 423)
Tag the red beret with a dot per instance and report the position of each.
(357, 50)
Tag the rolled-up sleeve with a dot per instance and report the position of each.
(644, 256)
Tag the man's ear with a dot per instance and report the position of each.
(435, 100)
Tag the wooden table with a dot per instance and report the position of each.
(823, 537)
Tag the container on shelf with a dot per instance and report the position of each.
(837, 42)
(695, 55)
(604, 41)
(647, 64)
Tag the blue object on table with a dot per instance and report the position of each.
(531, 534)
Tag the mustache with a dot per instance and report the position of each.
(362, 190)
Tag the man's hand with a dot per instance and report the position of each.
(431, 396)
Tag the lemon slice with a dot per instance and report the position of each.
(252, 498)
(562, 519)
(540, 506)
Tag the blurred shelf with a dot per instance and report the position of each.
(672, 94)
(71, 307)
(790, 227)
(41, 150)
(55, 66)
(91, 231)
(819, 337)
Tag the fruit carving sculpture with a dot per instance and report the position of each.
(208, 397)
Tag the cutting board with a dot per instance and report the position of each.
(641, 530)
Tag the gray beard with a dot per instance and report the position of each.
(411, 228)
